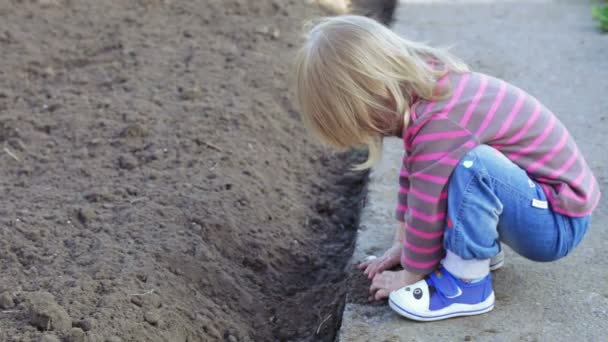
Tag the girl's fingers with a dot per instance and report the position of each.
(364, 264)
(368, 268)
(377, 284)
(380, 294)
(379, 289)
(379, 267)
(369, 260)
(371, 269)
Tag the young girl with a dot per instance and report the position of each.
(484, 163)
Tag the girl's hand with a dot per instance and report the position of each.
(390, 259)
(386, 282)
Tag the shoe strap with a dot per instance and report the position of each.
(444, 283)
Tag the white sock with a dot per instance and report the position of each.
(467, 270)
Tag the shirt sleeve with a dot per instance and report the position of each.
(404, 185)
(436, 151)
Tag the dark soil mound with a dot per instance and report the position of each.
(157, 181)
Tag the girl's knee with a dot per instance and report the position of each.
(485, 157)
(485, 153)
(474, 161)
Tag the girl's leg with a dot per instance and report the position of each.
(490, 199)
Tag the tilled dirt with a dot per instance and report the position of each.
(157, 182)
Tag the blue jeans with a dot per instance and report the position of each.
(491, 199)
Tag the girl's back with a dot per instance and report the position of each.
(485, 110)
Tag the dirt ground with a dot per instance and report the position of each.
(157, 183)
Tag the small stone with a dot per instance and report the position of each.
(6, 301)
(151, 301)
(127, 162)
(137, 300)
(155, 301)
(468, 338)
(49, 3)
(77, 335)
(53, 107)
(85, 215)
(334, 6)
(113, 339)
(98, 195)
(152, 317)
(232, 338)
(263, 30)
(84, 324)
(276, 34)
(134, 131)
(49, 338)
(46, 314)
(194, 93)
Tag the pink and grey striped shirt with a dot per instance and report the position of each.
(482, 110)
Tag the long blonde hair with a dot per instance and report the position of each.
(356, 80)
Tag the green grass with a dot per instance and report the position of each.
(600, 13)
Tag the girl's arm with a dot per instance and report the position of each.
(404, 185)
(399, 233)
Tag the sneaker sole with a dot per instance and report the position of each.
(497, 265)
(454, 310)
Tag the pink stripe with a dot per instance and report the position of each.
(403, 190)
(428, 198)
(440, 135)
(569, 193)
(562, 211)
(404, 173)
(545, 180)
(428, 108)
(457, 94)
(413, 115)
(432, 178)
(566, 165)
(402, 207)
(577, 181)
(414, 130)
(475, 102)
(425, 217)
(428, 156)
(470, 144)
(417, 264)
(529, 124)
(548, 192)
(536, 142)
(430, 105)
(449, 161)
(423, 250)
(550, 155)
(445, 111)
(493, 109)
(511, 116)
(548, 189)
(577, 214)
(422, 234)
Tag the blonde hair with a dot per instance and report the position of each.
(356, 79)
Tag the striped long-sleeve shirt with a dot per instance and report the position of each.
(482, 110)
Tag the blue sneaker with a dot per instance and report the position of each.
(441, 295)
